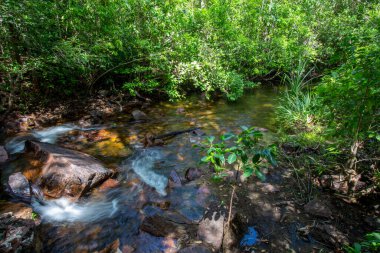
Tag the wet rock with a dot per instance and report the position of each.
(3, 154)
(109, 184)
(174, 180)
(198, 132)
(17, 144)
(112, 248)
(211, 227)
(139, 115)
(192, 174)
(18, 186)
(329, 235)
(18, 210)
(165, 226)
(318, 208)
(195, 249)
(17, 234)
(67, 173)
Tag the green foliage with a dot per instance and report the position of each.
(370, 244)
(295, 109)
(66, 48)
(241, 151)
(349, 95)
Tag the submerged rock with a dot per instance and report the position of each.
(192, 174)
(67, 173)
(174, 180)
(3, 154)
(18, 186)
(139, 115)
(167, 225)
(318, 208)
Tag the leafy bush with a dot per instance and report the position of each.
(241, 150)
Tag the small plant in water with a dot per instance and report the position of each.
(241, 152)
(237, 151)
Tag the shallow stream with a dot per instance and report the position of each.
(112, 214)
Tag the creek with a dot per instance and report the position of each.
(114, 213)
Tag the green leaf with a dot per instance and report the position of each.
(260, 175)
(205, 159)
(248, 171)
(231, 158)
(211, 139)
(256, 158)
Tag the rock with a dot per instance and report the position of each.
(109, 184)
(18, 186)
(211, 227)
(195, 249)
(161, 226)
(192, 174)
(318, 208)
(174, 180)
(3, 154)
(67, 173)
(198, 132)
(18, 210)
(17, 234)
(329, 235)
(139, 115)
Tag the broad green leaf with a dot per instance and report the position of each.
(248, 171)
(231, 158)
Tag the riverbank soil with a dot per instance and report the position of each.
(286, 222)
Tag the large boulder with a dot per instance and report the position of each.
(67, 173)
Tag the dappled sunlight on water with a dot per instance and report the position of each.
(113, 213)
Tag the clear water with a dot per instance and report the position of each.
(115, 213)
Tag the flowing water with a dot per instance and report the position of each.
(115, 213)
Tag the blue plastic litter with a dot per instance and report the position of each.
(249, 238)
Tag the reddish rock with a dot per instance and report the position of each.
(192, 174)
(3, 154)
(67, 173)
(109, 184)
(318, 208)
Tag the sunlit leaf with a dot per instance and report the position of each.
(231, 158)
